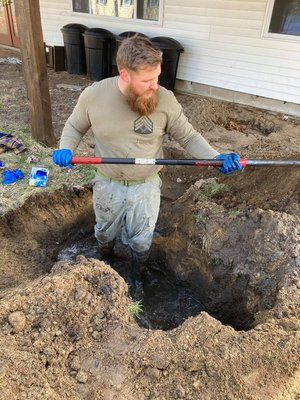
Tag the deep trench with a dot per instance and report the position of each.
(67, 223)
(168, 300)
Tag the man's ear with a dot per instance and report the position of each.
(124, 75)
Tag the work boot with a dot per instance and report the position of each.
(122, 251)
(139, 259)
(106, 250)
(135, 273)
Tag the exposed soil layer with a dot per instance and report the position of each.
(221, 306)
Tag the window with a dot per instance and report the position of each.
(134, 9)
(81, 6)
(285, 17)
(152, 3)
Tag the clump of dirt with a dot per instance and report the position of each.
(220, 315)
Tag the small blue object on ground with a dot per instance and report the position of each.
(38, 176)
(10, 176)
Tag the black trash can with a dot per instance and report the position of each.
(74, 48)
(99, 48)
(171, 51)
(118, 41)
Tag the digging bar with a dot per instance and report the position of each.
(162, 161)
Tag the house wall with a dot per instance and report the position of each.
(225, 51)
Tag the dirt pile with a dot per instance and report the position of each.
(68, 335)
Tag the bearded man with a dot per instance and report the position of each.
(129, 115)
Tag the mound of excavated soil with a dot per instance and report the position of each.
(221, 306)
(68, 333)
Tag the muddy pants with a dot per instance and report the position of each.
(127, 212)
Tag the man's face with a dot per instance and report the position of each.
(144, 82)
(142, 89)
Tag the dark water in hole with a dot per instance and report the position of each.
(166, 302)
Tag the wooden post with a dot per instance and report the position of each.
(34, 69)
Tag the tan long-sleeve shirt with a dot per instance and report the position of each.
(121, 132)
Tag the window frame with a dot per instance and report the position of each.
(133, 20)
(267, 22)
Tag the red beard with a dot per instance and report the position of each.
(141, 104)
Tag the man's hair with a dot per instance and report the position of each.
(136, 52)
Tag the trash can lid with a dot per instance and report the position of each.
(74, 28)
(167, 43)
(98, 32)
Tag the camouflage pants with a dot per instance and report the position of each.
(126, 212)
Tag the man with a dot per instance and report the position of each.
(129, 115)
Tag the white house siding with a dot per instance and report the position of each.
(223, 42)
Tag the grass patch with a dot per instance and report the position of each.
(213, 189)
(198, 218)
(87, 170)
(135, 308)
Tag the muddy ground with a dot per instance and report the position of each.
(220, 315)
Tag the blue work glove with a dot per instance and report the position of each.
(10, 176)
(230, 163)
(62, 157)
